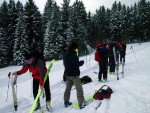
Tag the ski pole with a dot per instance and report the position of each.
(8, 85)
(134, 55)
(86, 59)
(98, 105)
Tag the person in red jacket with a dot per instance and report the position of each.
(38, 69)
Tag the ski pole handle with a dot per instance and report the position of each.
(9, 74)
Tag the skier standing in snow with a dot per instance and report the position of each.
(72, 64)
(115, 45)
(38, 69)
(123, 52)
(103, 63)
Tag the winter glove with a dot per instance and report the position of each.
(14, 73)
(81, 62)
(15, 77)
(41, 87)
(42, 90)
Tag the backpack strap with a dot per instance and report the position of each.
(102, 88)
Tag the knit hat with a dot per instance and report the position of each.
(65, 46)
(74, 45)
(98, 45)
(104, 40)
(27, 56)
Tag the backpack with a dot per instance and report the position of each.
(104, 92)
(97, 58)
(85, 79)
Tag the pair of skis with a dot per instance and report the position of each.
(117, 64)
(14, 90)
(88, 100)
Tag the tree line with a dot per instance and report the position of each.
(24, 27)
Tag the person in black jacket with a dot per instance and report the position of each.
(103, 64)
(72, 64)
(114, 51)
(123, 52)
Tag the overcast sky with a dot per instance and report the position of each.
(91, 5)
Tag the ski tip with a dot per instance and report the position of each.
(41, 110)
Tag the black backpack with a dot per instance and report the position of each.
(85, 79)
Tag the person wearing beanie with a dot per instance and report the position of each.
(38, 69)
(72, 64)
(98, 45)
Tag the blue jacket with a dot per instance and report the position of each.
(72, 63)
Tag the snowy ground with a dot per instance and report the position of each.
(131, 93)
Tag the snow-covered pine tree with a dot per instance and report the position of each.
(101, 23)
(12, 20)
(78, 20)
(65, 28)
(51, 39)
(46, 15)
(3, 47)
(114, 21)
(21, 44)
(143, 19)
(134, 23)
(34, 25)
(90, 30)
(4, 34)
(124, 28)
(19, 7)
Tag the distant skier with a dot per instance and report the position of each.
(115, 45)
(72, 64)
(123, 52)
(38, 69)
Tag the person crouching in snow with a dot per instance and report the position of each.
(38, 69)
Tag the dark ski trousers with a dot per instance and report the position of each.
(103, 70)
(64, 76)
(46, 88)
(112, 64)
(122, 57)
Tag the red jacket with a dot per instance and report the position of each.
(37, 68)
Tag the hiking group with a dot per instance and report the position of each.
(109, 55)
(37, 66)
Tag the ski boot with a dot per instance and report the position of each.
(82, 105)
(48, 106)
(66, 104)
(38, 106)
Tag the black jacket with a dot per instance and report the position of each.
(72, 63)
(103, 53)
